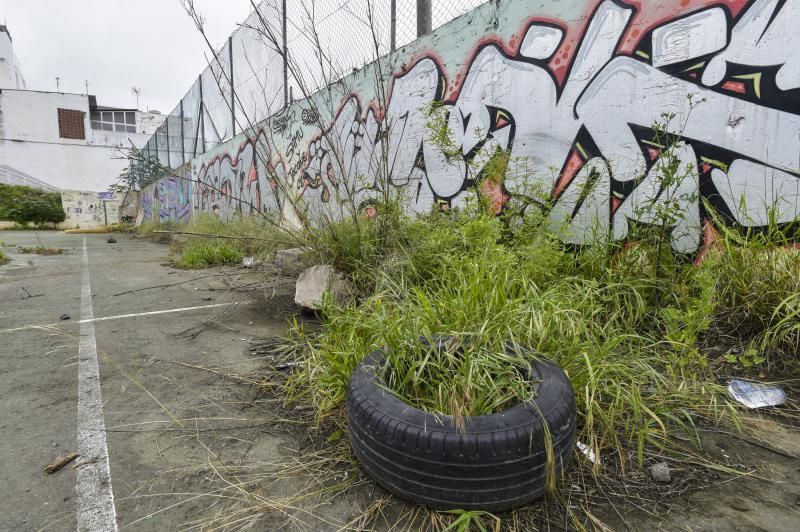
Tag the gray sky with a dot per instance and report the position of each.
(117, 45)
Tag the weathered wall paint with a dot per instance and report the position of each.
(89, 209)
(168, 200)
(572, 90)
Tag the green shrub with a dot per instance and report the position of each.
(28, 205)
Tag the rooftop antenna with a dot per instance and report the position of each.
(87, 87)
(137, 91)
(58, 84)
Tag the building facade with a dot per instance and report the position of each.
(63, 141)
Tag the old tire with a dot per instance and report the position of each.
(497, 463)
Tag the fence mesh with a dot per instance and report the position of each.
(249, 79)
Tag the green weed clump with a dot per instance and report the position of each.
(199, 254)
(756, 280)
(208, 241)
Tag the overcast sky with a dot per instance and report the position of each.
(116, 45)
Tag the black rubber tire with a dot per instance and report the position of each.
(495, 464)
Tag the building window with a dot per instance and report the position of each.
(70, 124)
(120, 121)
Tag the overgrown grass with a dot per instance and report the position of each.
(199, 254)
(628, 324)
(209, 241)
(757, 306)
(3, 258)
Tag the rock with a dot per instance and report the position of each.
(315, 281)
(111, 240)
(660, 472)
(291, 261)
(740, 504)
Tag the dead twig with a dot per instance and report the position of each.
(168, 285)
(59, 463)
(213, 235)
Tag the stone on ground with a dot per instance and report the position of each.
(315, 281)
(290, 261)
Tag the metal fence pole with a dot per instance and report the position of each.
(155, 136)
(233, 91)
(183, 139)
(285, 61)
(393, 27)
(166, 134)
(202, 116)
(424, 17)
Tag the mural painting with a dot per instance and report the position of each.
(588, 114)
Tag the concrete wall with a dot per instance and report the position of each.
(572, 90)
(89, 209)
(170, 199)
(30, 142)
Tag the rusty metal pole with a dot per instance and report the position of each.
(424, 17)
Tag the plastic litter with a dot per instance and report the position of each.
(249, 262)
(588, 451)
(755, 394)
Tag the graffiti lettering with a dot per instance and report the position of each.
(589, 118)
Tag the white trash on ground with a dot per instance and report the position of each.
(586, 450)
(756, 395)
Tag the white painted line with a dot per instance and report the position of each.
(136, 315)
(168, 311)
(96, 510)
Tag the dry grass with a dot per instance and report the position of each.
(42, 250)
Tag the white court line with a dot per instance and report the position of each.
(122, 316)
(96, 510)
(153, 313)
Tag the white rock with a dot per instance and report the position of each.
(315, 281)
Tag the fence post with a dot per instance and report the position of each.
(202, 115)
(285, 60)
(393, 22)
(183, 138)
(155, 136)
(166, 134)
(233, 91)
(423, 17)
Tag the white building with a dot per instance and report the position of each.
(10, 70)
(64, 140)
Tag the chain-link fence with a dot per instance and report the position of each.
(251, 78)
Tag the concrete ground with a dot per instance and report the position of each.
(182, 430)
(157, 405)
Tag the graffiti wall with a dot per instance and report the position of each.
(89, 209)
(168, 200)
(590, 104)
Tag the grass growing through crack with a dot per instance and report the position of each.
(209, 241)
(203, 254)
